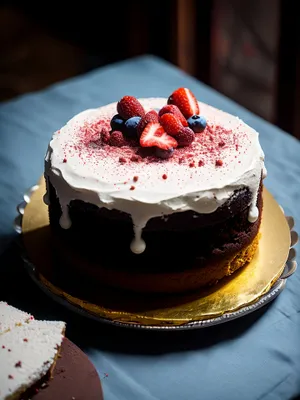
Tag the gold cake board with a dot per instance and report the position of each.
(243, 288)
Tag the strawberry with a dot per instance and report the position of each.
(186, 101)
(171, 124)
(185, 137)
(129, 107)
(172, 109)
(154, 135)
(117, 139)
(151, 116)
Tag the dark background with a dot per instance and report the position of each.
(248, 50)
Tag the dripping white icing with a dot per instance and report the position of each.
(99, 179)
(265, 172)
(138, 245)
(65, 220)
(253, 214)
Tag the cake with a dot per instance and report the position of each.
(11, 317)
(28, 352)
(155, 194)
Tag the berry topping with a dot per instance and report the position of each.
(197, 123)
(165, 176)
(151, 116)
(131, 127)
(122, 160)
(105, 136)
(164, 154)
(171, 124)
(129, 107)
(136, 158)
(117, 123)
(172, 109)
(186, 101)
(185, 137)
(219, 163)
(117, 139)
(154, 135)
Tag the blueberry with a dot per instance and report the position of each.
(117, 123)
(164, 153)
(197, 123)
(130, 126)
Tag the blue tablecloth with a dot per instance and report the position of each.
(256, 357)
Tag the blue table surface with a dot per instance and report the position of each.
(254, 357)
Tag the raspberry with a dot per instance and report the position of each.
(105, 135)
(117, 139)
(129, 107)
(185, 137)
(151, 116)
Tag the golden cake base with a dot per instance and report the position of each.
(243, 288)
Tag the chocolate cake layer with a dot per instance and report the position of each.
(174, 243)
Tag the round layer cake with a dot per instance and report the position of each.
(156, 194)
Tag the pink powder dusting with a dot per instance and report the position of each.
(206, 149)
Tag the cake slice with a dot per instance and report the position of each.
(27, 356)
(11, 317)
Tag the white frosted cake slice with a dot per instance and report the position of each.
(11, 317)
(27, 354)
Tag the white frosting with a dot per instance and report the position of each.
(94, 174)
(23, 363)
(11, 317)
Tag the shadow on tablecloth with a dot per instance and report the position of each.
(19, 290)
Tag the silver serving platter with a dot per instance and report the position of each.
(276, 289)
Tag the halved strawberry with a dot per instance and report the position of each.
(151, 116)
(129, 107)
(171, 124)
(186, 101)
(155, 136)
(172, 109)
